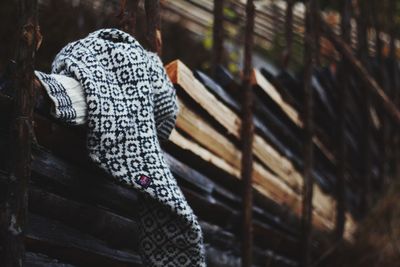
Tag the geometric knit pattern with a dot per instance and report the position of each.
(131, 105)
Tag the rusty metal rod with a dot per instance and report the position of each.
(343, 87)
(310, 58)
(288, 33)
(134, 15)
(363, 16)
(218, 35)
(127, 15)
(121, 15)
(14, 212)
(247, 136)
(394, 85)
(383, 78)
(153, 21)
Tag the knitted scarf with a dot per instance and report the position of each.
(130, 105)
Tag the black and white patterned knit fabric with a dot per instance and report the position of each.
(130, 106)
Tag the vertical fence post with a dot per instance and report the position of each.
(218, 35)
(362, 19)
(288, 33)
(121, 16)
(247, 133)
(14, 214)
(153, 21)
(343, 86)
(395, 85)
(134, 16)
(127, 15)
(310, 57)
(384, 82)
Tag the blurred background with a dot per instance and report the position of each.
(186, 26)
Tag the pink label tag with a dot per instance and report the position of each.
(144, 180)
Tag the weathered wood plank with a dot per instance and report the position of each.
(203, 153)
(60, 241)
(224, 217)
(68, 179)
(41, 260)
(118, 231)
(225, 243)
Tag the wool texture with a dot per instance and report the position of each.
(130, 106)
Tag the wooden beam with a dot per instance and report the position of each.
(206, 155)
(217, 235)
(270, 90)
(222, 216)
(13, 211)
(118, 231)
(39, 259)
(68, 244)
(69, 179)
